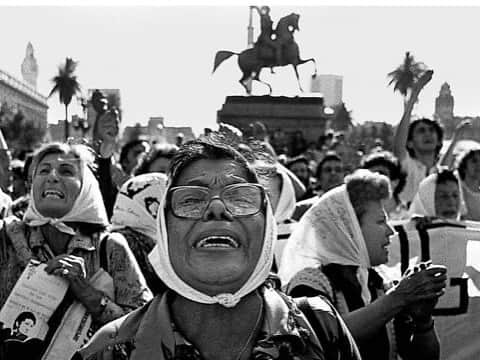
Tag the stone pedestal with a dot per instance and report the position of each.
(283, 116)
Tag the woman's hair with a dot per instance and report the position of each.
(330, 156)
(22, 317)
(166, 151)
(436, 126)
(211, 148)
(390, 161)
(445, 175)
(364, 186)
(463, 160)
(81, 152)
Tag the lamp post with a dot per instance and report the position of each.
(250, 42)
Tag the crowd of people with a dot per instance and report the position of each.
(218, 248)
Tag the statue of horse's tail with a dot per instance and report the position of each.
(220, 57)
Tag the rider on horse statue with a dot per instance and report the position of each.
(273, 48)
(268, 44)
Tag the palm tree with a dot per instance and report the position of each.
(67, 86)
(405, 76)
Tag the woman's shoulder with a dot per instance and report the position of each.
(114, 239)
(308, 280)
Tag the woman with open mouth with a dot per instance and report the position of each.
(214, 251)
(65, 227)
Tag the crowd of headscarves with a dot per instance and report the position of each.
(328, 233)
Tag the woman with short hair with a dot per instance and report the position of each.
(333, 253)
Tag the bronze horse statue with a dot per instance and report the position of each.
(252, 61)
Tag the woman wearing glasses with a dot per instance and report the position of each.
(214, 252)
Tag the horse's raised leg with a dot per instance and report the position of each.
(300, 62)
(298, 77)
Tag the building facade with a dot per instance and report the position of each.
(20, 98)
(330, 86)
(444, 113)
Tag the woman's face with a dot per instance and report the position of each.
(56, 184)
(472, 168)
(211, 266)
(25, 326)
(376, 232)
(447, 200)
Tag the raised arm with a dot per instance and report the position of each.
(400, 139)
(459, 134)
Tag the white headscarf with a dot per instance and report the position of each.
(87, 208)
(137, 204)
(286, 202)
(160, 260)
(423, 203)
(329, 232)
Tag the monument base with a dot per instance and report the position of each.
(281, 115)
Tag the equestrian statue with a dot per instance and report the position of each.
(273, 48)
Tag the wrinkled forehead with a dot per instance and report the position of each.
(60, 159)
(212, 172)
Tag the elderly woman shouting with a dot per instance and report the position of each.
(214, 252)
(65, 227)
(334, 251)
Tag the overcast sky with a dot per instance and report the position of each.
(161, 58)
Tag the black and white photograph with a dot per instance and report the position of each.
(233, 180)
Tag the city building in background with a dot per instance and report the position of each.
(22, 107)
(444, 113)
(157, 132)
(330, 86)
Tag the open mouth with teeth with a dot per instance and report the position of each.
(217, 242)
(53, 194)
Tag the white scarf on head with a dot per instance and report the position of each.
(286, 202)
(329, 232)
(423, 203)
(131, 207)
(87, 208)
(160, 260)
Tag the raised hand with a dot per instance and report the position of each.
(421, 285)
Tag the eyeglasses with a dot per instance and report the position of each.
(191, 202)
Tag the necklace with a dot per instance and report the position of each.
(257, 322)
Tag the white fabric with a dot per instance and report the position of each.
(287, 200)
(160, 260)
(329, 232)
(472, 202)
(5, 204)
(416, 172)
(87, 208)
(137, 204)
(423, 203)
(459, 250)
